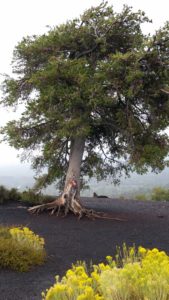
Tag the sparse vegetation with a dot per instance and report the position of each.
(144, 274)
(20, 248)
(7, 195)
(156, 194)
(27, 197)
(30, 197)
(160, 194)
(141, 197)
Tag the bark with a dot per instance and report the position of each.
(71, 191)
(75, 160)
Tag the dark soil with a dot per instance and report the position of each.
(69, 240)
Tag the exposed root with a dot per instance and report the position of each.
(92, 214)
(75, 207)
(62, 201)
(68, 201)
(52, 206)
(101, 215)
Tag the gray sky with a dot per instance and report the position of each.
(20, 18)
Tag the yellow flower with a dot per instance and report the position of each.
(109, 258)
(145, 274)
(104, 267)
(58, 289)
(95, 276)
(26, 236)
(69, 273)
(142, 251)
(87, 295)
(155, 251)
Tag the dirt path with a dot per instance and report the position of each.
(69, 240)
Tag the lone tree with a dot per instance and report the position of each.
(96, 98)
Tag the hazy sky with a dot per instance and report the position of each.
(20, 18)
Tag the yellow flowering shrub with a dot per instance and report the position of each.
(25, 236)
(20, 248)
(146, 278)
(76, 284)
(143, 275)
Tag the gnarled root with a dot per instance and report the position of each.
(75, 207)
(51, 206)
(68, 201)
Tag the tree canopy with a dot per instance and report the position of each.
(97, 77)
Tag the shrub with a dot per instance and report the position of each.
(9, 194)
(20, 248)
(76, 284)
(27, 197)
(14, 195)
(141, 197)
(4, 232)
(160, 194)
(4, 194)
(30, 197)
(144, 274)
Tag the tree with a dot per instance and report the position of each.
(96, 99)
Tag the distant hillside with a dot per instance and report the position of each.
(22, 177)
(133, 185)
(18, 176)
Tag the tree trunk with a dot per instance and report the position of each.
(71, 192)
(69, 200)
(75, 160)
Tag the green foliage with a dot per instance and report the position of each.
(8, 195)
(4, 232)
(141, 197)
(28, 197)
(4, 194)
(14, 195)
(160, 194)
(144, 274)
(98, 77)
(20, 249)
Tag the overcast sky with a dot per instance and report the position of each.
(19, 18)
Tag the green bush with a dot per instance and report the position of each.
(4, 232)
(160, 194)
(143, 275)
(14, 195)
(4, 194)
(7, 195)
(27, 197)
(141, 197)
(33, 198)
(20, 248)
